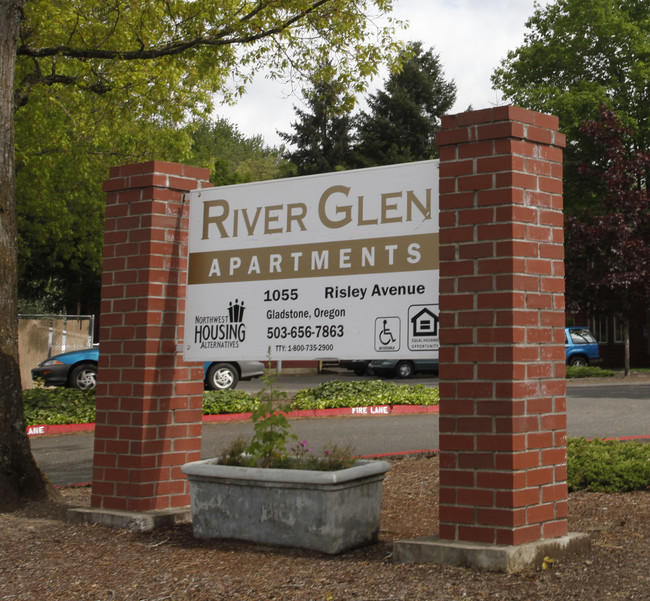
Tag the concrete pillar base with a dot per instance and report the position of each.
(135, 521)
(494, 558)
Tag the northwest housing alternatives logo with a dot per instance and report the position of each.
(225, 331)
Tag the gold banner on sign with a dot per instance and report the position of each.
(346, 257)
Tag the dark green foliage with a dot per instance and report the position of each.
(322, 135)
(403, 119)
(607, 465)
(399, 127)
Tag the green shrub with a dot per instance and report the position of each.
(335, 394)
(607, 465)
(69, 405)
(589, 371)
(59, 406)
(216, 402)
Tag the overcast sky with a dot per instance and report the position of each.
(471, 37)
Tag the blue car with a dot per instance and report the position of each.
(581, 347)
(78, 369)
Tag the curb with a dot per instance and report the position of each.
(376, 410)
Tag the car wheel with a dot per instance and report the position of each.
(578, 361)
(404, 369)
(84, 377)
(222, 376)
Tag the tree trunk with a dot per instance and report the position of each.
(626, 338)
(20, 477)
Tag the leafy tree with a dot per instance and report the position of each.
(608, 248)
(66, 140)
(59, 185)
(576, 56)
(404, 118)
(232, 157)
(322, 135)
(159, 61)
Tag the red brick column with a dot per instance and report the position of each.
(149, 402)
(502, 387)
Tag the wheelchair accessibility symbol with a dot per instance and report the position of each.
(387, 333)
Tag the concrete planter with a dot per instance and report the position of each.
(324, 511)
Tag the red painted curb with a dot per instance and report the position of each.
(402, 453)
(41, 430)
(405, 409)
(377, 410)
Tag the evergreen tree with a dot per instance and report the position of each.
(322, 135)
(404, 118)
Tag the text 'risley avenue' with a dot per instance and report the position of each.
(377, 290)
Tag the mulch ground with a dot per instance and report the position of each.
(43, 557)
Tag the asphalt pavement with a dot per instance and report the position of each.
(604, 409)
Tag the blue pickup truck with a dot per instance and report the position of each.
(581, 347)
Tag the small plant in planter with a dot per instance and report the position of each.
(265, 492)
(272, 435)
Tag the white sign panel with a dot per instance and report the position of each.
(336, 266)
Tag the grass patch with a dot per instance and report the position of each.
(589, 371)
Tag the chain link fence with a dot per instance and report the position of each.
(41, 336)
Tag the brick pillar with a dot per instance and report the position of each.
(502, 371)
(149, 402)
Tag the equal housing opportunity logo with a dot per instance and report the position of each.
(224, 331)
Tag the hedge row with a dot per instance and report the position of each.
(71, 406)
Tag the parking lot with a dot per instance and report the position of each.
(612, 409)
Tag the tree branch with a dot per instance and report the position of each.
(177, 47)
